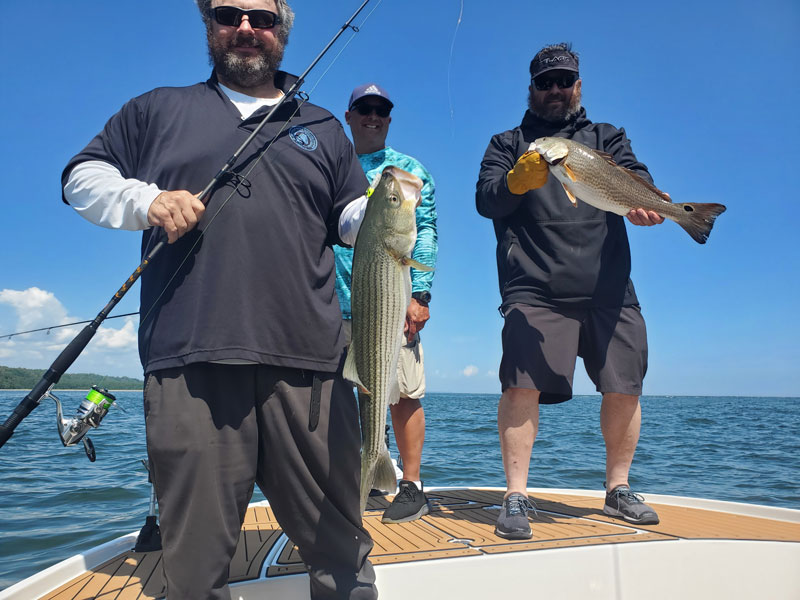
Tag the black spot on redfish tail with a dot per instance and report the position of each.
(699, 219)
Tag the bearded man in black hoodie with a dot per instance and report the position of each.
(564, 275)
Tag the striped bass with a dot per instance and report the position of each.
(594, 177)
(380, 294)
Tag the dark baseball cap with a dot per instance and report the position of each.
(368, 89)
(550, 58)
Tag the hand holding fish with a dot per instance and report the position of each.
(529, 173)
(644, 218)
(416, 316)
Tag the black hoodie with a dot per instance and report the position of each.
(550, 253)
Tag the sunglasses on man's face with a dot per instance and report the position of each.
(231, 16)
(381, 110)
(543, 83)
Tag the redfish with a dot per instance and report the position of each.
(593, 177)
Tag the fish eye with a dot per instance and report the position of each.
(394, 199)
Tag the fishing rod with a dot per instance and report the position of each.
(74, 430)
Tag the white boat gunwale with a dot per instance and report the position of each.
(498, 550)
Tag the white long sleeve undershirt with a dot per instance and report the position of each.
(350, 220)
(99, 193)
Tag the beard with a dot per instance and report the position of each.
(558, 115)
(244, 71)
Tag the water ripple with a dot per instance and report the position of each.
(56, 503)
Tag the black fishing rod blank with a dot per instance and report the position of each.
(76, 346)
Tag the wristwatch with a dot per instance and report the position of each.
(422, 297)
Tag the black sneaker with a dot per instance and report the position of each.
(409, 504)
(622, 502)
(512, 522)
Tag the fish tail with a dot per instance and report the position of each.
(367, 475)
(385, 479)
(377, 474)
(699, 219)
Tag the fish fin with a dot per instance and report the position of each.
(633, 174)
(570, 195)
(396, 256)
(641, 180)
(570, 173)
(606, 157)
(700, 219)
(350, 372)
(410, 262)
(384, 478)
(378, 475)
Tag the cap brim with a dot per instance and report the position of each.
(558, 68)
(360, 98)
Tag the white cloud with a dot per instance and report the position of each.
(34, 307)
(125, 337)
(470, 370)
(112, 351)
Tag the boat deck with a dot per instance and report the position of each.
(461, 523)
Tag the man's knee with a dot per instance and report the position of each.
(620, 399)
(520, 395)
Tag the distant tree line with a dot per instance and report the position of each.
(15, 378)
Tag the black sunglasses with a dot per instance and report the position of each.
(231, 16)
(543, 83)
(381, 110)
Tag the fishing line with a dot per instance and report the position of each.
(355, 29)
(450, 66)
(241, 178)
(47, 329)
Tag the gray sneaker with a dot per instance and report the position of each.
(512, 522)
(622, 502)
(409, 504)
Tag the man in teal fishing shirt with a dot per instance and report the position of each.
(368, 116)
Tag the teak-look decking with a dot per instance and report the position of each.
(461, 523)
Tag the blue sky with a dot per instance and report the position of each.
(707, 92)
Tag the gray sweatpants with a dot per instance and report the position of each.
(213, 430)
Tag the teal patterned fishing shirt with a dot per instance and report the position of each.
(426, 246)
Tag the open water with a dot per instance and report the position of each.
(54, 503)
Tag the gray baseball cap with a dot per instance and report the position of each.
(369, 89)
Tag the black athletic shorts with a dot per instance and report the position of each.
(540, 346)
